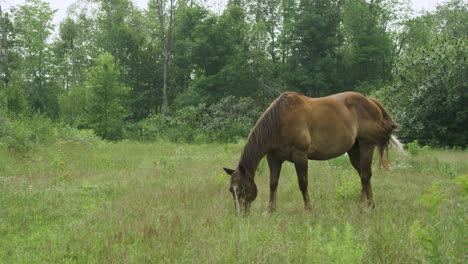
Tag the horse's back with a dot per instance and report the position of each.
(322, 128)
(328, 126)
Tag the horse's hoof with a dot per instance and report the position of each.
(366, 206)
(271, 210)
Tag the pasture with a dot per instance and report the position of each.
(163, 202)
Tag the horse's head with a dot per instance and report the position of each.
(243, 189)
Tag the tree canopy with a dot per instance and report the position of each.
(110, 65)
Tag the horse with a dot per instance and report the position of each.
(297, 128)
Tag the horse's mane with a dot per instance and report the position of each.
(264, 133)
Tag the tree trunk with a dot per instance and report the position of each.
(166, 16)
(166, 67)
(6, 69)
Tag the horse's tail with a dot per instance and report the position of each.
(385, 136)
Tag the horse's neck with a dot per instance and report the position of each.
(251, 156)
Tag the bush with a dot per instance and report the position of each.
(70, 134)
(21, 133)
(183, 126)
(428, 94)
(414, 148)
(337, 246)
(349, 185)
(227, 121)
(443, 238)
(231, 119)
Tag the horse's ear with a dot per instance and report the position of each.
(228, 171)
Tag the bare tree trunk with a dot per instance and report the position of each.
(6, 69)
(165, 102)
(166, 14)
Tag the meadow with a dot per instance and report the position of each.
(130, 202)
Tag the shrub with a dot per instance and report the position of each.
(443, 238)
(226, 121)
(337, 246)
(428, 94)
(349, 186)
(231, 118)
(414, 148)
(23, 132)
(70, 134)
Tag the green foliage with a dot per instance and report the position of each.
(349, 185)
(15, 99)
(231, 118)
(433, 198)
(428, 96)
(367, 44)
(33, 27)
(107, 108)
(100, 103)
(223, 62)
(226, 121)
(414, 149)
(74, 105)
(66, 133)
(439, 246)
(24, 132)
(252, 49)
(337, 246)
(462, 181)
(313, 63)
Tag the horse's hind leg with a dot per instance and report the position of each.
(365, 162)
(354, 157)
(301, 165)
(275, 169)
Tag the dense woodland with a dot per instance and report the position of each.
(177, 70)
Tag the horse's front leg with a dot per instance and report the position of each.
(301, 165)
(275, 169)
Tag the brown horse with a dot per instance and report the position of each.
(297, 128)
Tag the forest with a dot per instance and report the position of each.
(178, 71)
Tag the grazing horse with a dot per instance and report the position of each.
(297, 128)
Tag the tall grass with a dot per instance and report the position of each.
(169, 203)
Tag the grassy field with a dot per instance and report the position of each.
(169, 203)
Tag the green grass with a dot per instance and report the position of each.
(169, 203)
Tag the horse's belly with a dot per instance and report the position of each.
(323, 156)
(329, 149)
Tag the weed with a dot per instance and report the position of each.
(349, 185)
(442, 237)
(414, 149)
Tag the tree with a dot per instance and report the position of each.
(429, 94)
(107, 108)
(224, 61)
(122, 30)
(33, 28)
(66, 52)
(311, 67)
(4, 50)
(166, 12)
(367, 46)
(452, 18)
